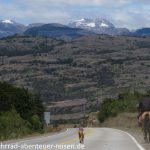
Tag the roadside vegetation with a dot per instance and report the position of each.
(126, 102)
(21, 112)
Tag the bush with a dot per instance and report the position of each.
(75, 126)
(20, 112)
(126, 102)
(36, 123)
(12, 125)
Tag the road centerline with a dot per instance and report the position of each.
(88, 133)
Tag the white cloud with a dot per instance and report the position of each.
(87, 2)
(132, 17)
(123, 13)
(30, 11)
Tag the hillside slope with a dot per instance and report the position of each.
(91, 67)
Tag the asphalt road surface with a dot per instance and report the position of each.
(95, 139)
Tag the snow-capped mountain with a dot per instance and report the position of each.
(10, 27)
(7, 21)
(99, 26)
(91, 23)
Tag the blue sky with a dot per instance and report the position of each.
(122, 13)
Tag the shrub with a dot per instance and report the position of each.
(12, 125)
(20, 112)
(126, 102)
(36, 123)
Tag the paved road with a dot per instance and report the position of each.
(95, 139)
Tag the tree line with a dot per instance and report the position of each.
(21, 112)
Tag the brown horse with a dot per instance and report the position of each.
(81, 137)
(146, 125)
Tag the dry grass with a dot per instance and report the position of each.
(124, 120)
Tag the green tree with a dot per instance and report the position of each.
(12, 125)
(24, 102)
(126, 102)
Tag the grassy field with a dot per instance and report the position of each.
(124, 120)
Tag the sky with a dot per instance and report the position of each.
(131, 14)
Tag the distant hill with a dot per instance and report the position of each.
(142, 32)
(56, 30)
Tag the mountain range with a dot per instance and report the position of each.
(99, 26)
(57, 30)
(74, 29)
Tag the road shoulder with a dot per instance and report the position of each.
(35, 136)
(127, 122)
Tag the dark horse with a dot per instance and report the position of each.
(146, 128)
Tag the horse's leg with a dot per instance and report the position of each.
(83, 138)
(145, 135)
(149, 134)
(143, 127)
(149, 128)
(146, 127)
(79, 138)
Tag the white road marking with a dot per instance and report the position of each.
(133, 138)
(38, 137)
